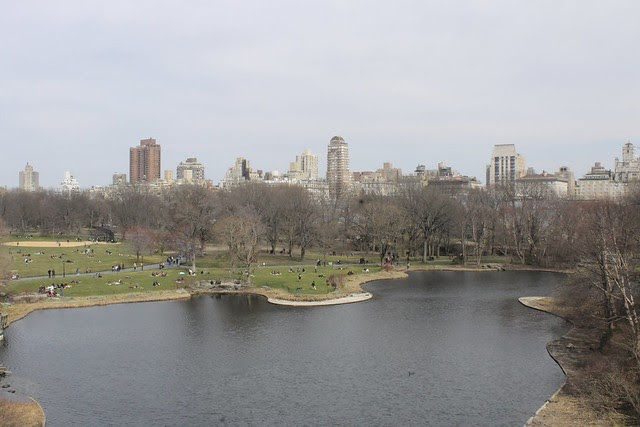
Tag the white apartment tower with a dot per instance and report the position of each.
(506, 165)
(69, 184)
(29, 180)
(338, 174)
(305, 168)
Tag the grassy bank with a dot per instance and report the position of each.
(89, 258)
(565, 408)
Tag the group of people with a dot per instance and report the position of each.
(54, 290)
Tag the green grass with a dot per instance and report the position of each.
(43, 259)
(289, 281)
(140, 281)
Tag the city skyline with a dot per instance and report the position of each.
(439, 82)
(607, 163)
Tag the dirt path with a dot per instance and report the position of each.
(49, 244)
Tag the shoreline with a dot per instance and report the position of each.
(549, 414)
(563, 408)
(351, 291)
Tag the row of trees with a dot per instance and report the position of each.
(417, 222)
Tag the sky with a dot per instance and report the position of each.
(407, 82)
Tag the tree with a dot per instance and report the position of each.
(243, 232)
(379, 223)
(191, 218)
(609, 249)
(429, 210)
(140, 239)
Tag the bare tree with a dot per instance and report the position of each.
(191, 218)
(429, 210)
(243, 232)
(379, 223)
(140, 239)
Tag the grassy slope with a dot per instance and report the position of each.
(43, 259)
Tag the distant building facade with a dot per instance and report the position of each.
(239, 173)
(599, 184)
(305, 167)
(29, 179)
(144, 162)
(69, 184)
(119, 179)
(543, 185)
(190, 171)
(627, 169)
(506, 165)
(338, 174)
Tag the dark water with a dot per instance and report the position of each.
(441, 348)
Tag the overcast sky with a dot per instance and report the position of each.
(410, 82)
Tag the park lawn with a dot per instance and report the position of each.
(263, 277)
(141, 281)
(289, 281)
(131, 282)
(44, 259)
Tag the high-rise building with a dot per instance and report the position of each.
(69, 184)
(29, 180)
(305, 167)
(144, 162)
(192, 165)
(240, 172)
(338, 175)
(506, 165)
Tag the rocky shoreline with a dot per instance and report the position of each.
(568, 351)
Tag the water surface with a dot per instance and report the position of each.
(439, 348)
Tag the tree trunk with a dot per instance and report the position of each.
(424, 250)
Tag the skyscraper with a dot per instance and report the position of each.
(506, 165)
(144, 162)
(29, 180)
(338, 174)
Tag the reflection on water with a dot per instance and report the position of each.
(440, 348)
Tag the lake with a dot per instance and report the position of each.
(438, 348)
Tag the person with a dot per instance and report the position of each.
(135, 266)
(49, 273)
(299, 276)
(313, 285)
(142, 266)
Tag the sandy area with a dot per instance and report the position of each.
(48, 244)
(18, 311)
(20, 413)
(333, 301)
